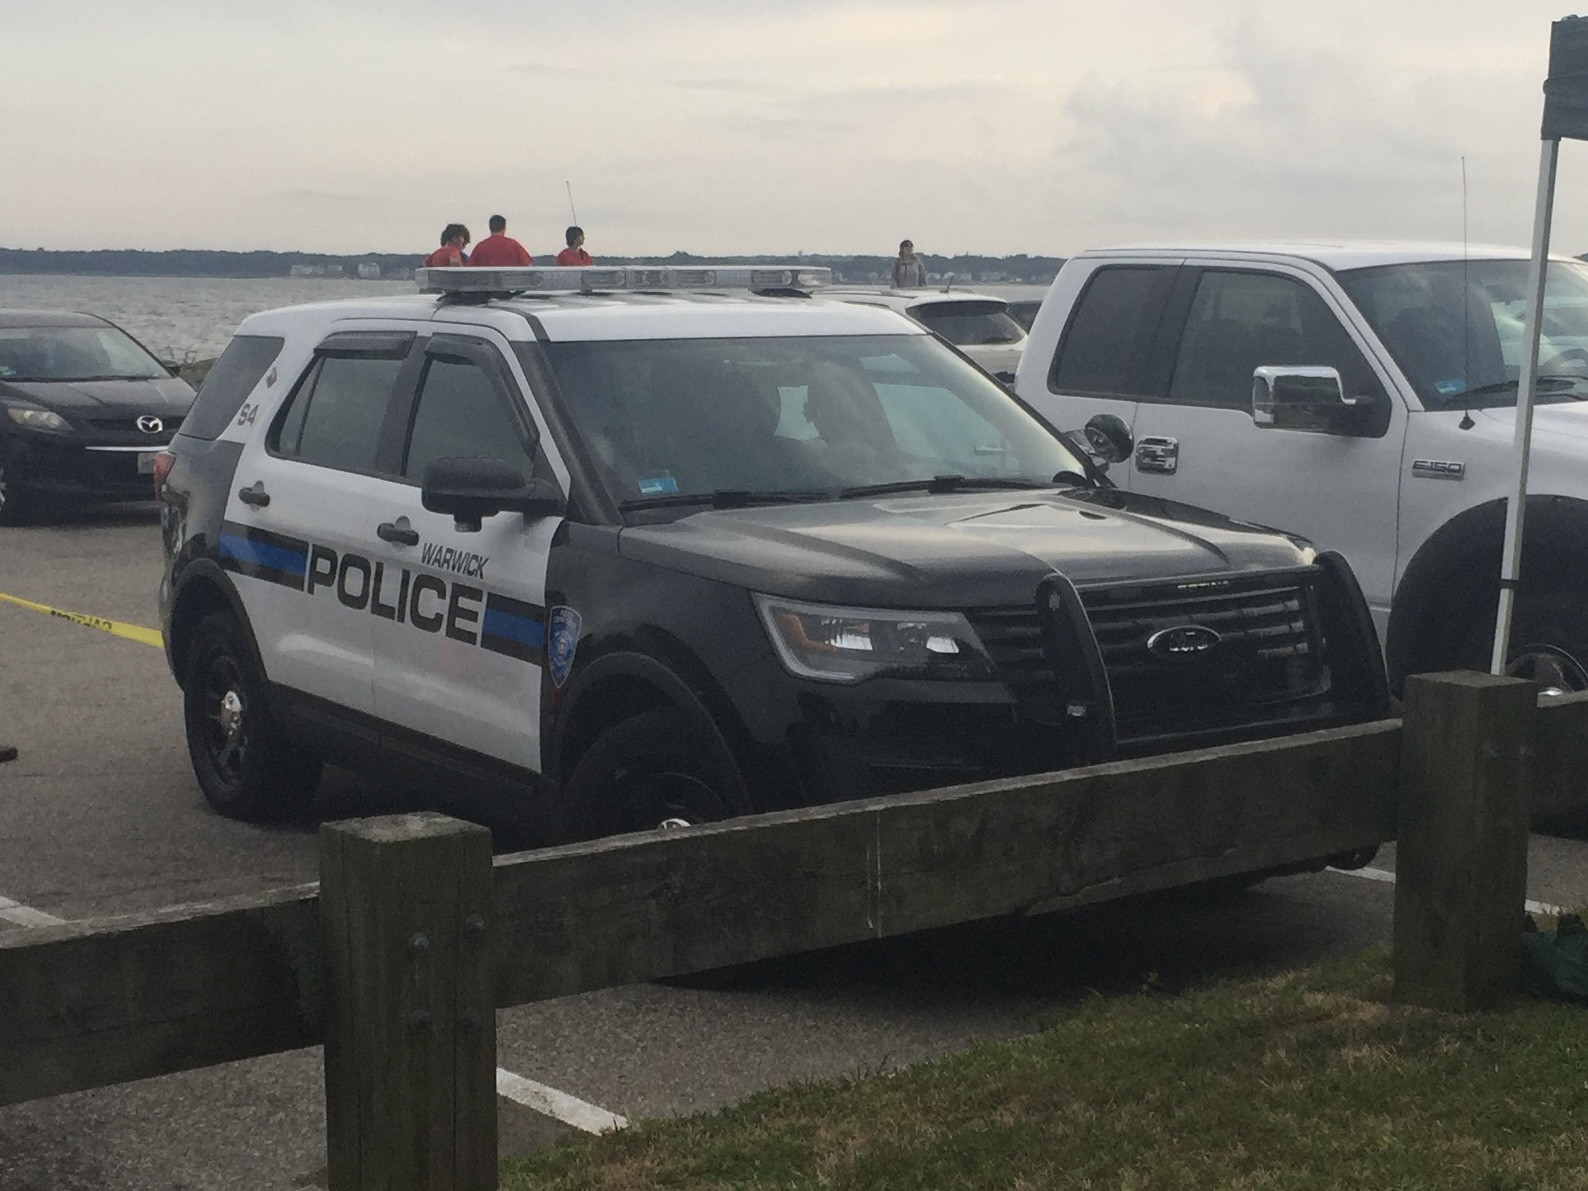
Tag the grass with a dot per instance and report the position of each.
(1307, 1080)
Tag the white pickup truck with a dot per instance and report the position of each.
(1360, 394)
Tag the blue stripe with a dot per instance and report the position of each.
(260, 554)
(505, 625)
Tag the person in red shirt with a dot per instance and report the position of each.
(454, 239)
(574, 254)
(499, 248)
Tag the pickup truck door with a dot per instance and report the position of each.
(1109, 351)
(1196, 441)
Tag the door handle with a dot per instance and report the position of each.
(401, 535)
(255, 497)
(1158, 455)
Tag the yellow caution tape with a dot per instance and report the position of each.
(115, 628)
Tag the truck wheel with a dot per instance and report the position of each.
(1549, 642)
(245, 766)
(644, 772)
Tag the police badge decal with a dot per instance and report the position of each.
(562, 639)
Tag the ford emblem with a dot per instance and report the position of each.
(149, 424)
(1183, 641)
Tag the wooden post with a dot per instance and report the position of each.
(410, 1038)
(1461, 853)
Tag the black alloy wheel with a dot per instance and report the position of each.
(245, 767)
(643, 773)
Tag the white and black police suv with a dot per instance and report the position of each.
(633, 545)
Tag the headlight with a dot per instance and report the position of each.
(851, 644)
(37, 419)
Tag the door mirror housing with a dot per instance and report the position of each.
(1306, 397)
(473, 488)
(1108, 439)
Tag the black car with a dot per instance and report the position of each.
(84, 408)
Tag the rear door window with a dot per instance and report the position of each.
(334, 420)
(1107, 347)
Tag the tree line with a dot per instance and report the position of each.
(199, 262)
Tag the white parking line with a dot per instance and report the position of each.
(16, 912)
(570, 1110)
(1383, 874)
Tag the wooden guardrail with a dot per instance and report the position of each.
(414, 935)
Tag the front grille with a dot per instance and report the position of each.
(121, 430)
(1268, 663)
(1267, 668)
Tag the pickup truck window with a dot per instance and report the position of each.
(1240, 321)
(1108, 344)
(1469, 353)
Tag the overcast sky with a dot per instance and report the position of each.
(723, 126)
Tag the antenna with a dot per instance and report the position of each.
(569, 188)
(1466, 422)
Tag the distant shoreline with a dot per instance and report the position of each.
(187, 262)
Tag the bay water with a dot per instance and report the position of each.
(181, 318)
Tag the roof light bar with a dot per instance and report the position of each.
(597, 278)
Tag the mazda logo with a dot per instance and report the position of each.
(149, 424)
(1183, 641)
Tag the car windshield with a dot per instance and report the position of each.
(74, 353)
(969, 323)
(1455, 328)
(746, 421)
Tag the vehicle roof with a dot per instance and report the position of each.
(50, 318)
(903, 299)
(571, 317)
(1332, 254)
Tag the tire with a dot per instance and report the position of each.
(1549, 640)
(14, 500)
(245, 766)
(643, 773)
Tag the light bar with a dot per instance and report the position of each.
(599, 279)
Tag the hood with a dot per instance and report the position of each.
(166, 395)
(1562, 418)
(959, 549)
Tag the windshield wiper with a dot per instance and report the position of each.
(723, 498)
(950, 483)
(1556, 382)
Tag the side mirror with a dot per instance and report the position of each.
(473, 488)
(1108, 439)
(1303, 397)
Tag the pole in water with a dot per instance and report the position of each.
(571, 211)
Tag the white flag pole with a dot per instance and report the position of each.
(1511, 560)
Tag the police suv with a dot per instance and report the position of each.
(639, 545)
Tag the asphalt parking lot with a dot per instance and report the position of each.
(100, 816)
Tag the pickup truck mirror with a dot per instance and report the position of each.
(1302, 397)
(473, 488)
(1108, 439)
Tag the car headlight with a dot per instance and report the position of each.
(850, 644)
(37, 419)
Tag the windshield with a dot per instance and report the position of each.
(791, 418)
(1455, 328)
(968, 324)
(74, 353)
